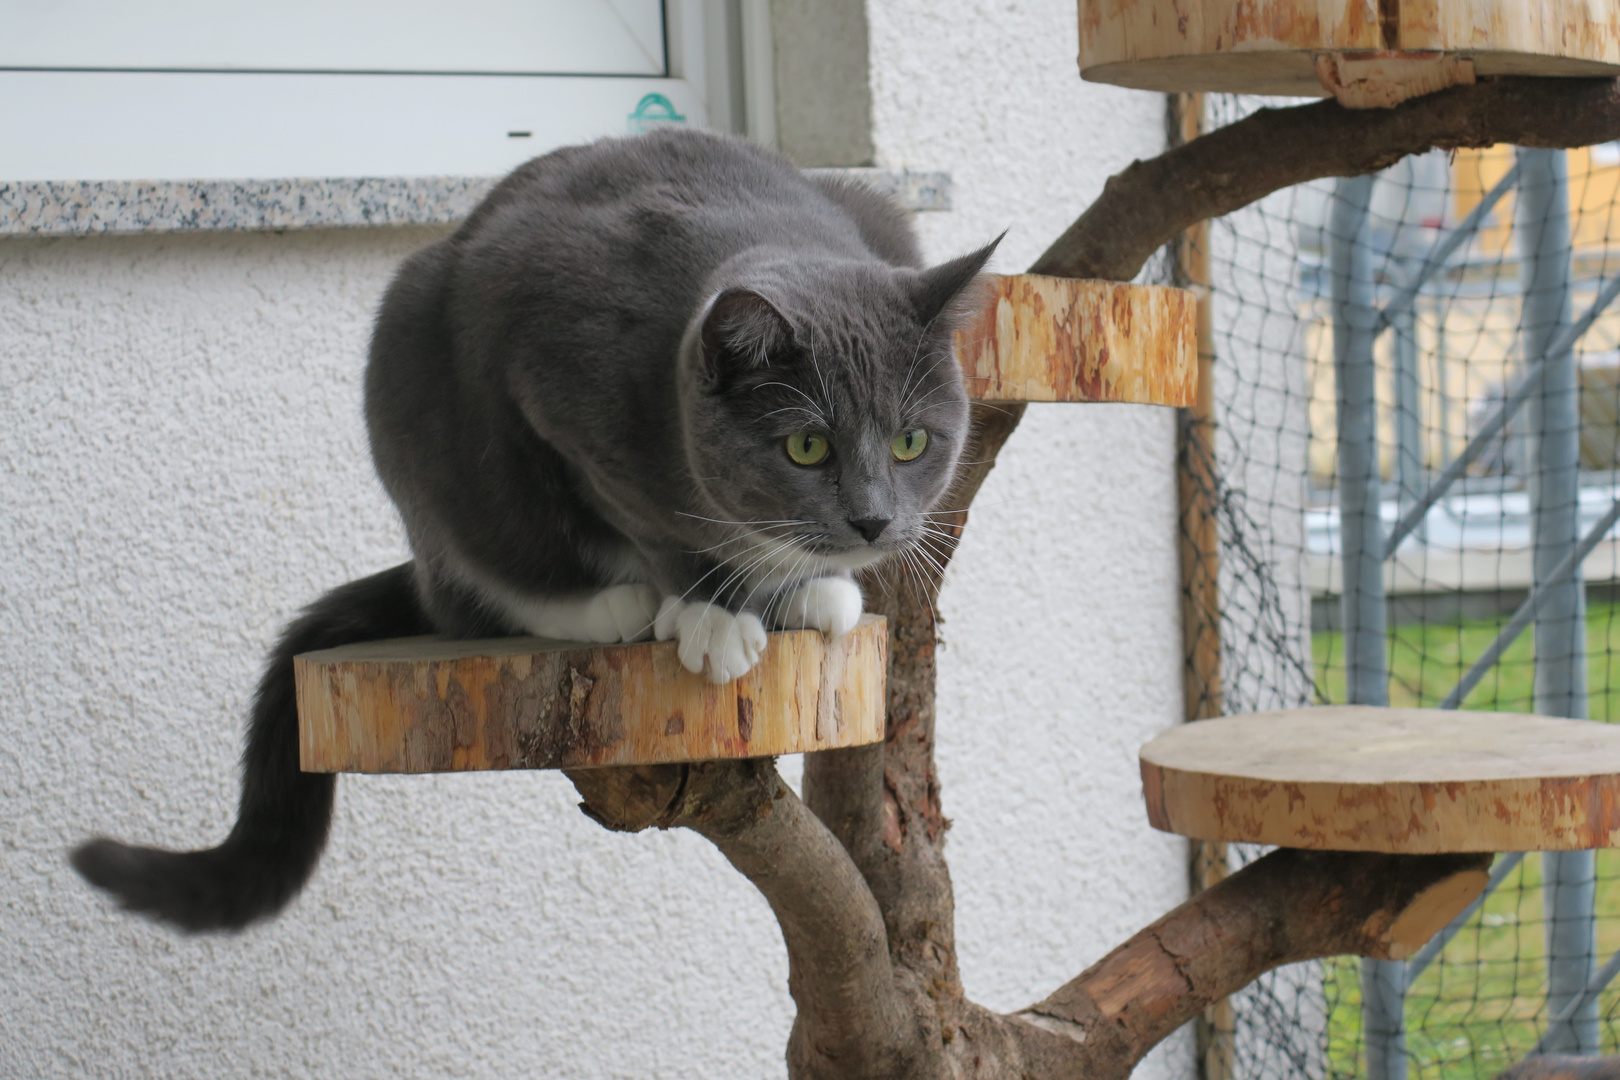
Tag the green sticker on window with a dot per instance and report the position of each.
(651, 111)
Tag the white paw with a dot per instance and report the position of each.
(620, 613)
(713, 642)
(667, 625)
(829, 604)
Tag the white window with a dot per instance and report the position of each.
(223, 89)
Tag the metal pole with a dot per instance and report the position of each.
(1529, 383)
(1408, 414)
(1531, 607)
(1553, 471)
(1560, 1022)
(1361, 542)
(1442, 380)
(1436, 260)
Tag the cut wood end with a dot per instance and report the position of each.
(421, 705)
(1382, 80)
(1044, 338)
(1427, 914)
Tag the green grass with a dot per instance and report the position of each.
(1479, 1009)
(1426, 660)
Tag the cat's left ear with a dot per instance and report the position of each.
(936, 287)
(740, 331)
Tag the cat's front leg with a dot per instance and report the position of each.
(718, 644)
(829, 604)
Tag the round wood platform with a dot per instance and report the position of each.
(1420, 781)
(1063, 339)
(1366, 55)
(420, 705)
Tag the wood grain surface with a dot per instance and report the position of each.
(1270, 46)
(1061, 339)
(1416, 781)
(420, 705)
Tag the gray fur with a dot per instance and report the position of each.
(592, 380)
(580, 402)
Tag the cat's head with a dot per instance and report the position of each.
(823, 406)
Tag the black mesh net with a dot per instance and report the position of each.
(1447, 354)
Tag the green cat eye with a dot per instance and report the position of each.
(909, 444)
(807, 448)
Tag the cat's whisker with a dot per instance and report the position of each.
(767, 521)
(937, 569)
(919, 587)
(922, 410)
(922, 406)
(942, 538)
(917, 384)
(937, 358)
(916, 351)
(832, 412)
(776, 590)
(792, 408)
(744, 606)
(716, 568)
(798, 564)
(925, 547)
(815, 408)
(930, 534)
(754, 535)
(727, 587)
(780, 592)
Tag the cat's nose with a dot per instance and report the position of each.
(870, 528)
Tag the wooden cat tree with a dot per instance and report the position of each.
(1387, 839)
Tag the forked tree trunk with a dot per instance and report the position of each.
(856, 871)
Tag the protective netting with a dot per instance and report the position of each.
(1444, 365)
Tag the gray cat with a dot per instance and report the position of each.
(655, 387)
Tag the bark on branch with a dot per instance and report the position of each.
(1151, 202)
(851, 1015)
(1289, 906)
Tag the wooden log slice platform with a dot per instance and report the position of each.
(1417, 781)
(1364, 54)
(418, 705)
(1063, 339)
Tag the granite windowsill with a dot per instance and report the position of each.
(95, 207)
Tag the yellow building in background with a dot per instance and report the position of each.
(1467, 320)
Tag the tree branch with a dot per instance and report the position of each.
(852, 1020)
(883, 802)
(1151, 202)
(1289, 906)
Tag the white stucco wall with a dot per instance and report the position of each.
(182, 465)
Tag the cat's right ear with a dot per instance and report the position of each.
(741, 330)
(946, 286)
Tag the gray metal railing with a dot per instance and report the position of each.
(1556, 602)
(1356, 324)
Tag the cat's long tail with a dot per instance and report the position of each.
(284, 814)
